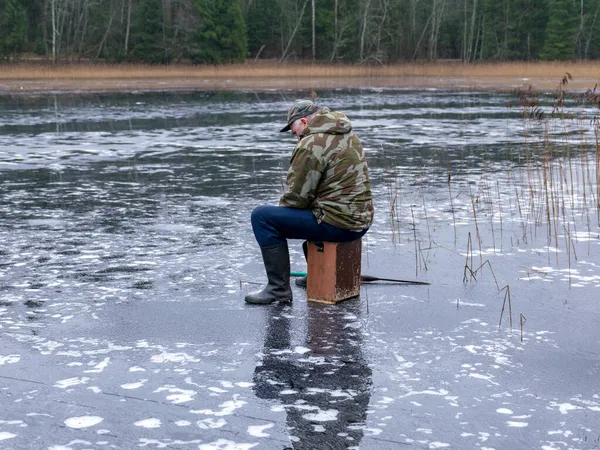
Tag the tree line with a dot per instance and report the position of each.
(364, 31)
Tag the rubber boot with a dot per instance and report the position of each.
(277, 266)
(301, 281)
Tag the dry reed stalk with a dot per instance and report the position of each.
(589, 237)
(546, 198)
(522, 320)
(501, 214)
(264, 69)
(523, 222)
(584, 166)
(476, 226)
(487, 261)
(469, 255)
(425, 209)
(561, 176)
(492, 226)
(587, 176)
(392, 202)
(506, 295)
(398, 193)
(452, 205)
(575, 250)
(554, 209)
(392, 223)
(394, 213)
(412, 213)
(423, 260)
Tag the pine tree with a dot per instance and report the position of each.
(222, 36)
(149, 34)
(264, 27)
(560, 31)
(13, 30)
(530, 18)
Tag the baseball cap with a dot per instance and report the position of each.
(300, 109)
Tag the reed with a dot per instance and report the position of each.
(474, 272)
(550, 187)
(476, 227)
(506, 296)
(412, 213)
(497, 76)
(501, 215)
(469, 257)
(267, 69)
(451, 202)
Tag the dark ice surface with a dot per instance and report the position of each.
(126, 250)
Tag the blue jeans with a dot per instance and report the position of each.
(272, 225)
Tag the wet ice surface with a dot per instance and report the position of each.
(125, 247)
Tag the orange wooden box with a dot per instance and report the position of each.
(333, 271)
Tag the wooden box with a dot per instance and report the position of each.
(333, 271)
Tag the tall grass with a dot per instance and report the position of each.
(266, 70)
(550, 185)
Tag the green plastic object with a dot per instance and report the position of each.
(297, 274)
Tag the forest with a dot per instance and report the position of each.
(329, 31)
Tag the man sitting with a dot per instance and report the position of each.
(328, 196)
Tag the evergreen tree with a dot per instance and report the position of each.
(513, 29)
(148, 35)
(530, 18)
(560, 31)
(264, 27)
(222, 36)
(13, 30)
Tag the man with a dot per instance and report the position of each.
(328, 196)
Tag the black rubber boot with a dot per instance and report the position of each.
(277, 266)
(301, 281)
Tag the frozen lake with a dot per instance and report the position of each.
(126, 250)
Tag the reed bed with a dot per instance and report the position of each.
(588, 70)
(546, 191)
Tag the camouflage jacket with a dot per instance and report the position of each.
(329, 174)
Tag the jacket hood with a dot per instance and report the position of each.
(329, 122)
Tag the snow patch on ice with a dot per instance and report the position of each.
(63, 384)
(83, 421)
(322, 416)
(137, 385)
(259, 430)
(564, 408)
(165, 357)
(9, 359)
(148, 423)
(511, 423)
(223, 444)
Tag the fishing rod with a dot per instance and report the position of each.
(370, 278)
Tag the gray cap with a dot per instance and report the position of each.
(300, 109)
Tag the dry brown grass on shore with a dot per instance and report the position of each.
(589, 70)
(40, 77)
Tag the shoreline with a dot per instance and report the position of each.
(88, 78)
(153, 84)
